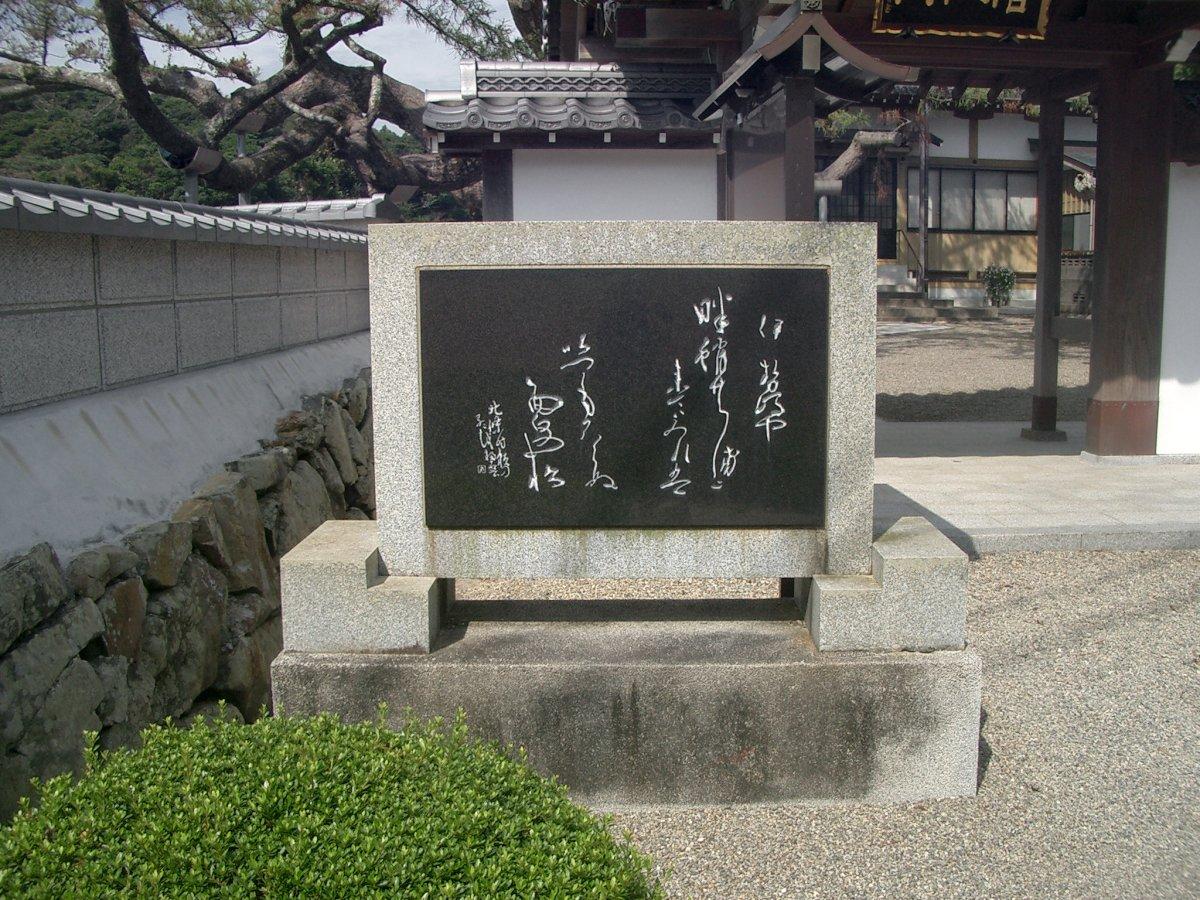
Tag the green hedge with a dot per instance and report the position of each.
(314, 808)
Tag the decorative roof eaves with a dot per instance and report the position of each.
(553, 114)
(37, 206)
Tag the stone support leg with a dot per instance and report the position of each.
(338, 597)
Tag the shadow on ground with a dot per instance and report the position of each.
(995, 405)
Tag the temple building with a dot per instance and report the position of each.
(872, 110)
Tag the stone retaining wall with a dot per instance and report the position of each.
(179, 614)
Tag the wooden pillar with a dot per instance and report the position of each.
(799, 150)
(497, 186)
(1044, 419)
(923, 225)
(1132, 171)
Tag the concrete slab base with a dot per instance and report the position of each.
(693, 709)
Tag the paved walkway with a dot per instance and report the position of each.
(991, 491)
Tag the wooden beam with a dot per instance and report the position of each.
(1067, 45)
(1044, 419)
(572, 24)
(1132, 171)
(799, 150)
(639, 26)
(497, 186)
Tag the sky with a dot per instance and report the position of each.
(413, 54)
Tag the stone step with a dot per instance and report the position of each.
(932, 314)
(904, 297)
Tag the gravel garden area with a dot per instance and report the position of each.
(1090, 759)
(971, 372)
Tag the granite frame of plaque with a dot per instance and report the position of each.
(722, 544)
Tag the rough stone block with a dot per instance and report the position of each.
(206, 333)
(137, 342)
(298, 314)
(690, 712)
(211, 711)
(266, 469)
(303, 505)
(32, 587)
(915, 600)
(46, 269)
(245, 672)
(337, 600)
(327, 469)
(356, 397)
(359, 451)
(90, 572)
(337, 439)
(300, 430)
(135, 269)
(258, 325)
(15, 775)
(48, 355)
(203, 269)
(235, 508)
(255, 269)
(331, 269)
(162, 548)
(54, 742)
(113, 672)
(297, 269)
(331, 314)
(124, 609)
(181, 645)
(33, 666)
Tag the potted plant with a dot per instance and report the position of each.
(998, 282)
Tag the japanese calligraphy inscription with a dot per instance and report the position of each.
(624, 397)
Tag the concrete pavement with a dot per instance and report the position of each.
(992, 492)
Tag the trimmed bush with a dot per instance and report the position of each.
(313, 808)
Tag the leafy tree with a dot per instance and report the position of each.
(312, 108)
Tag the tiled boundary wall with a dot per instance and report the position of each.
(104, 290)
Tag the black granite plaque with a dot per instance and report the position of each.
(673, 397)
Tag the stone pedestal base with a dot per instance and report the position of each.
(680, 702)
(633, 713)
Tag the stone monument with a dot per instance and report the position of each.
(655, 400)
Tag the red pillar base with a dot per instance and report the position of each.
(1122, 427)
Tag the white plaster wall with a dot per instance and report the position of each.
(1079, 128)
(90, 468)
(615, 184)
(1006, 137)
(955, 135)
(1179, 387)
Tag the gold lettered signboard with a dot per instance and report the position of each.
(963, 18)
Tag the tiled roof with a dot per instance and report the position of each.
(37, 206)
(354, 212)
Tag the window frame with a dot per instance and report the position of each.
(939, 217)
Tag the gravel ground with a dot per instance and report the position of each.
(971, 371)
(1092, 747)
